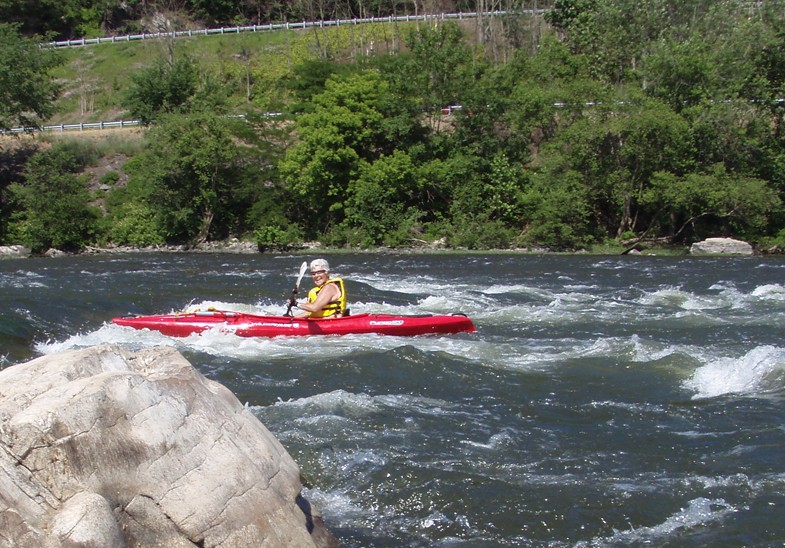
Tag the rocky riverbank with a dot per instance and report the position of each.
(709, 246)
(226, 246)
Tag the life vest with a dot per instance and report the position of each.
(330, 309)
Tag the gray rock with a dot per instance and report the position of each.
(108, 447)
(14, 251)
(86, 519)
(721, 246)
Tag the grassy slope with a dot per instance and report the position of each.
(95, 78)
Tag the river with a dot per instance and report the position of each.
(603, 400)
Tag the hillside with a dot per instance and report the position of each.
(607, 123)
(253, 65)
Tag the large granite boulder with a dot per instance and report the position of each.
(108, 447)
(721, 246)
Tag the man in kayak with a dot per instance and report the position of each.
(328, 298)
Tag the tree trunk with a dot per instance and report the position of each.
(207, 220)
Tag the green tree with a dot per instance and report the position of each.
(749, 147)
(557, 210)
(308, 79)
(132, 222)
(549, 91)
(698, 205)
(52, 205)
(68, 19)
(477, 189)
(187, 172)
(436, 71)
(162, 88)
(681, 73)
(343, 131)
(27, 89)
(618, 151)
(766, 83)
(381, 202)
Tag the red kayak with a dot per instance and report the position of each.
(251, 325)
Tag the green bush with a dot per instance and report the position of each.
(481, 235)
(51, 207)
(277, 237)
(110, 178)
(134, 224)
(161, 88)
(776, 242)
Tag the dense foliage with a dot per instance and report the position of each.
(53, 202)
(27, 93)
(614, 121)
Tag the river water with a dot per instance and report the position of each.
(603, 401)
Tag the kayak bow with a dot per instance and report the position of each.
(251, 325)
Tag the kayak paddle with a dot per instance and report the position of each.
(292, 301)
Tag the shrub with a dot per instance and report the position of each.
(51, 207)
(277, 237)
(134, 224)
(481, 235)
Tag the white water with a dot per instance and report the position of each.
(601, 402)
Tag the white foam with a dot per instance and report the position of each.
(21, 279)
(107, 334)
(759, 371)
(354, 405)
(673, 297)
(495, 442)
(338, 506)
(772, 292)
(332, 403)
(698, 513)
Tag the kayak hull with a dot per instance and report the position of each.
(251, 325)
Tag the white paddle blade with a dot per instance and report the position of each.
(303, 268)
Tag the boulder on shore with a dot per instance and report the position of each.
(14, 251)
(721, 246)
(108, 447)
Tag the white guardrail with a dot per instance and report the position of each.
(82, 126)
(278, 26)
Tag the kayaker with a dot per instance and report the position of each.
(328, 298)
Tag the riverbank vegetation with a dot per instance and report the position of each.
(597, 123)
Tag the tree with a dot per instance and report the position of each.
(713, 203)
(174, 88)
(766, 83)
(681, 73)
(188, 172)
(617, 151)
(436, 70)
(52, 204)
(27, 90)
(67, 19)
(557, 210)
(341, 132)
(381, 201)
(548, 90)
(308, 79)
